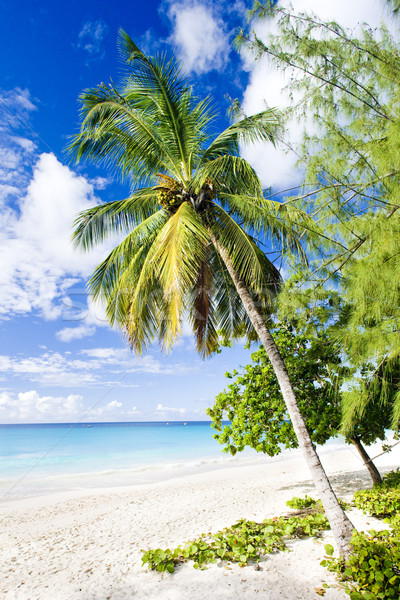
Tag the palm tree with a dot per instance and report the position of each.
(190, 223)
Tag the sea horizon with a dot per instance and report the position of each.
(73, 423)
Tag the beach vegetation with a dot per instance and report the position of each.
(383, 500)
(244, 542)
(193, 224)
(306, 502)
(372, 571)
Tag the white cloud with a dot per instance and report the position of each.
(39, 201)
(51, 368)
(349, 14)
(36, 253)
(111, 407)
(75, 333)
(95, 366)
(199, 36)
(30, 406)
(274, 166)
(91, 36)
(100, 183)
(170, 410)
(106, 353)
(15, 151)
(17, 103)
(24, 143)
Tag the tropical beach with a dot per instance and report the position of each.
(199, 300)
(87, 544)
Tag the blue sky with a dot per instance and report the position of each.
(59, 360)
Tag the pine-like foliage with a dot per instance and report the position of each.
(346, 90)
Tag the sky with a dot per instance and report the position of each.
(59, 359)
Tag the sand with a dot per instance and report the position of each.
(87, 545)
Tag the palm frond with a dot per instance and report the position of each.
(179, 249)
(286, 226)
(127, 257)
(157, 87)
(119, 135)
(201, 312)
(95, 224)
(231, 174)
(251, 264)
(261, 127)
(230, 314)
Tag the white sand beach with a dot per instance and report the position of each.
(87, 545)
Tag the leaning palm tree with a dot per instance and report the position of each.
(190, 249)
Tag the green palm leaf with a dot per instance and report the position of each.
(153, 131)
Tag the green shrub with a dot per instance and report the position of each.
(372, 571)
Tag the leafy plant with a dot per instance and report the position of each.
(253, 403)
(383, 500)
(392, 479)
(300, 503)
(373, 569)
(244, 542)
(254, 406)
(379, 502)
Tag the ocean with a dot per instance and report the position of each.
(45, 458)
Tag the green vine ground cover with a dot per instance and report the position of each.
(243, 543)
(372, 572)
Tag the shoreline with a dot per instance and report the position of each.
(151, 474)
(88, 546)
(31, 484)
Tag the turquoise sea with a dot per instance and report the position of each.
(45, 458)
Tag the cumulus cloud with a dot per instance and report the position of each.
(37, 259)
(199, 36)
(39, 200)
(75, 333)
(31, 406)
(275, 166)
(169, 410)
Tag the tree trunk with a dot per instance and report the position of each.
(373, 471)
(341, 526)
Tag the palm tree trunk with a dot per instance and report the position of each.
(341, 526)
(373, 471)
